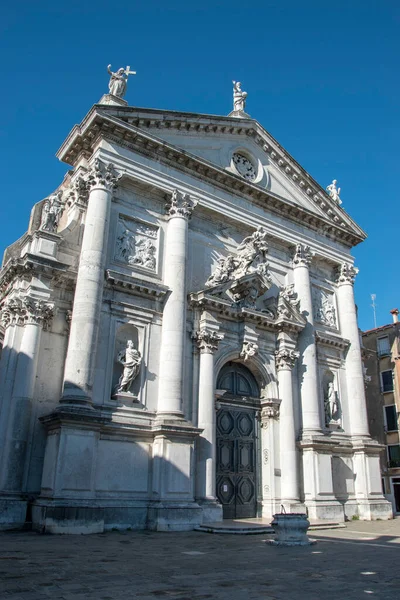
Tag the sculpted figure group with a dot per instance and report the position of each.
(232, 267)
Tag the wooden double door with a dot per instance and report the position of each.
(236, 461)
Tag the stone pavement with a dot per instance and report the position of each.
(354, 563)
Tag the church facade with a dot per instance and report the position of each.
(180, 335)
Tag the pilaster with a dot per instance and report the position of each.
(207, 342)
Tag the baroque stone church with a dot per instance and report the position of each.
(180, 334)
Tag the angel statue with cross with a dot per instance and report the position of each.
(117, 83)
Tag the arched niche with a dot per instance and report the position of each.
(124, 333)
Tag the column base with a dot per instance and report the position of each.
(171, 516)
(211, 510)
(292, 505)
(325, 510)
(12, 512)
(69, 519)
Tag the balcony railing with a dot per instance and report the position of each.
(393, 464)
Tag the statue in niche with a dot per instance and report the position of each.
(331, 404)
(334, 192)
(239, 97)
(52, 211)
(131, 360)
(118, 81)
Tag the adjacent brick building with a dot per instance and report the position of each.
(382, 374)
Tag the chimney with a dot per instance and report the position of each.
(395, 314)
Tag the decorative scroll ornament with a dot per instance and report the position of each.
(207, 341)
(180, 205)
(253, 248)
(25, 309)
(249, 349)
(130, 358)
(285, 358)
(288, 304)
(346, 274)
(79, 192)
(52, 210)
(302, 256)
(269, 410)
(334, 192)
(103, 175)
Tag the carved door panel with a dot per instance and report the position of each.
(236, 464)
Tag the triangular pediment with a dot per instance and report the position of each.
(215, 143)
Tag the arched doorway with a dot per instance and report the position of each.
(236, 463)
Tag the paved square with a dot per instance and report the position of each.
(354, 563)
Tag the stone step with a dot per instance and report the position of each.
(254, 528)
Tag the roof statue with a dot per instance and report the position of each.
(334, 192)
(118, 81)
(239, 100)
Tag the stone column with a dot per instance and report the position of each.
(33, 314)
(358, 424)
(81, 353)
(285, 360)
(174, 315)
(308, 371)
(206, 444)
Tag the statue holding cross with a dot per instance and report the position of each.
(118, 80)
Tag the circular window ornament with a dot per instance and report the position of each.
(244, 166)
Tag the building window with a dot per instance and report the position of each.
(391, 417)
(387, 381)
(383, 346)
(394, 455)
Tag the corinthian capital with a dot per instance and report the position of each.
(346, 274)
(180, 205)
(207, 341)
(285, 358)
(103, 175)
(38, 312)
(25, 309)
(12, 312)
(302, 256)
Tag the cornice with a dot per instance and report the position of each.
(139, 286)
(26, 265)
(224, 307)
(99, 123)
(327, 339)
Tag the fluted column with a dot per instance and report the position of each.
(206, 444)
(285, 360)
(33, 314)
(81, 353)
(179, 211)
(308, 371)
(354, 372)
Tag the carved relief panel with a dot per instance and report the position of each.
(324, 307)
(136, 244)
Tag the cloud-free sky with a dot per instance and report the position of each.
(322, 78)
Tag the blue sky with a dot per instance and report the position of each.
(322, 78)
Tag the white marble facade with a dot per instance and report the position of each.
(181, 246)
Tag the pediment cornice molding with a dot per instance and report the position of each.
(101, 123)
